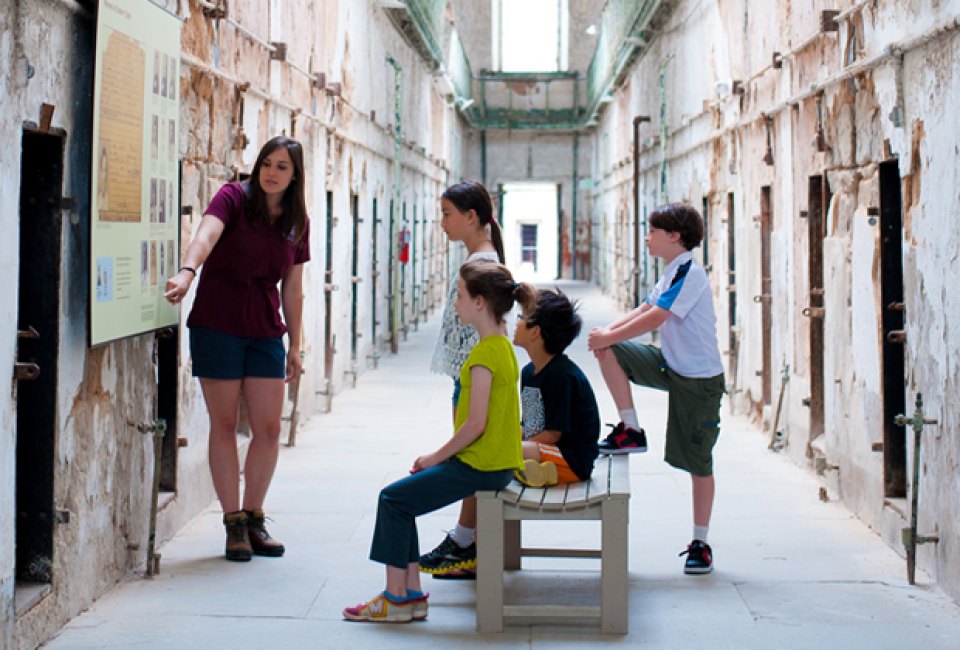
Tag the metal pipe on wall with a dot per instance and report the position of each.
(559, 230)
(636, 206)
(483, 157)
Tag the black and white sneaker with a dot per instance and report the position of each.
(449, 557)
(623, 440)
(699, 558)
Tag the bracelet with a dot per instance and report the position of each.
(189, 268)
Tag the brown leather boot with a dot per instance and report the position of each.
(238, 540)
(260, 539)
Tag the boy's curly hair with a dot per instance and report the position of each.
(679, 218)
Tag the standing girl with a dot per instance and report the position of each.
(466, 215)
(253, 236)
(481, 455)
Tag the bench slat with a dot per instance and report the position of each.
(511, 493)
(555, 498)
(598, 488)
(619, 475)
(576, 495)
(583, 513)
(532, 498)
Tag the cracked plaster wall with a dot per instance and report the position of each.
(100, 461)
(103, 465)
(11, 77)
(716, 145)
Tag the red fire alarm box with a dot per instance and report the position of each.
(403, 250)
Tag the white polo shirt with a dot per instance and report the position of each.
(689, 335)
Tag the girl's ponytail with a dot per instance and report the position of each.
(526, 295)
(496, 237)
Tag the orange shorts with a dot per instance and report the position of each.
(551, 453)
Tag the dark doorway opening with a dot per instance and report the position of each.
(422, 283)
(891, 303)
(38, 324)
(818, 199)
(355, 274)
(732, 329)
(375, 221)
(403, 271)
(329, 340)
(766, 311)
(414, 278)
(168, 355)
(392, 323)
(706, 233)
(168, 364)
(354, 285)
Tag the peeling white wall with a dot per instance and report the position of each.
(100, 460)
(931, 269)
(104, 462)
(11, 76)
(716, 145)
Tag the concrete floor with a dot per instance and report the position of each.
(791, 571)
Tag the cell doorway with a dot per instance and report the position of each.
(36, 370)
(530, 231)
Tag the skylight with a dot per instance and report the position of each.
(530, 36)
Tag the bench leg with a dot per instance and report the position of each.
(490, 531)
(511, 545)
(614, 578)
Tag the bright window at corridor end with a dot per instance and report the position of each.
(530, 36)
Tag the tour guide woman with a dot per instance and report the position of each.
(253, 236)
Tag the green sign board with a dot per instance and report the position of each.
(135, 215)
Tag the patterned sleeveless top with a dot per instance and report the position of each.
(456, 339)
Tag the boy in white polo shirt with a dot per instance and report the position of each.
(688, 366)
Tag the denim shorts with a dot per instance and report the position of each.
(223, 356)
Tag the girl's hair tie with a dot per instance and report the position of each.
(515, 285)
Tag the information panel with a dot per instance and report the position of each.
(135, 216)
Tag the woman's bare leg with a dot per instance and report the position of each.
(222, 397)
(264, 400)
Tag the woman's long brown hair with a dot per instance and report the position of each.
(293, 219)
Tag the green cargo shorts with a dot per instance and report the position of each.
(693, 412)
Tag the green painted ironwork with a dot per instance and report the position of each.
(551, 116)
(458, 67)
(621, 20)
(502, 118)
(428, 17)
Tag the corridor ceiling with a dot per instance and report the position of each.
(456, 38)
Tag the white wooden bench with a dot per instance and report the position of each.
(606, 497)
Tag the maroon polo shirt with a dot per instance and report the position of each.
(237, 289)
